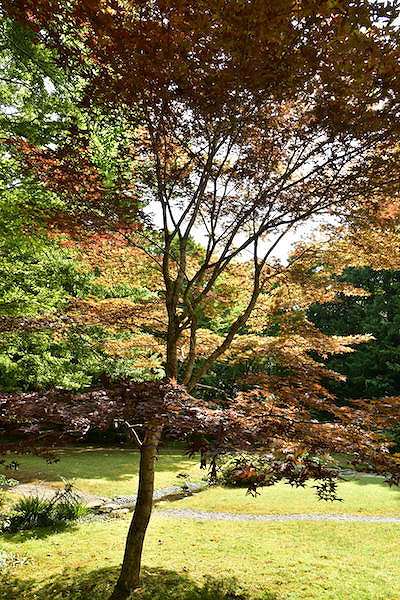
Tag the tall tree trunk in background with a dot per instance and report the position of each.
(130, 571)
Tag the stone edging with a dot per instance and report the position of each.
(127, 503)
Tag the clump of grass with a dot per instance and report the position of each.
(33, 511)
(28, 513)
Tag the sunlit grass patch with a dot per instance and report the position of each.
(361, 495)
(356, 561)
(104, 471)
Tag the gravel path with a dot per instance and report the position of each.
(201, 515)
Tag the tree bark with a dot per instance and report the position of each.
(128, 578)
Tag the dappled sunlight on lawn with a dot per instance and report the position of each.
(105, 471)
(189, 560)
(114, 472)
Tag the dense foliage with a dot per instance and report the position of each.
(373, 370)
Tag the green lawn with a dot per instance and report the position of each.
(189, 560)
(361, 496)
(112, 472)
(192, 560)
(104, 472)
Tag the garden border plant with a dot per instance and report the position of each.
(32, 512)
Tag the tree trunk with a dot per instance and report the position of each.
(128, 578)
(171, 366)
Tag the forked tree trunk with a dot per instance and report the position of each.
(130, 571)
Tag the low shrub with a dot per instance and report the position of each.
(32, 511)
(69, 511)
(394, 434)
(184, 479)
(243, 470)
(28, 513)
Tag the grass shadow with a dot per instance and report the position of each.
(38, 533)
(370, 480)
(157, 584)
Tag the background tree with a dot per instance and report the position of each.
(373, 370)
(244, 120)
(39, 275)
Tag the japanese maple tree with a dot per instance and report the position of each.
(243, 120)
